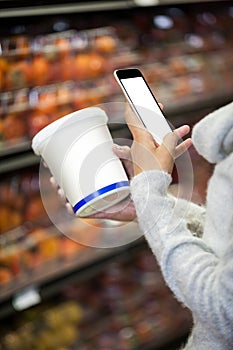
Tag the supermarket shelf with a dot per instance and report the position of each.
(20, 161)
(8, 150)
(169, 2)
(22, 8)
(51, 279)
(195, 103)
(55, 8)
(189, 110)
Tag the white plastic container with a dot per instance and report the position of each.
(78, 151)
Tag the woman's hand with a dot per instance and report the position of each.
(146, 154)
(125, 210)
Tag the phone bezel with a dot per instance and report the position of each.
(128, 73)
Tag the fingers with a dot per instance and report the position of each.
(124, 211)
(59, 190)
(160, 105)
(131, 118)
(53, 183)
(61, 194)
(171, 139)
(124, 153)
(182, 131)
(165, 153)
(69, 208)
(137, 129)
(180, 149)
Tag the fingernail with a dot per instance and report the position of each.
(61, 193)
(117, 146)
(52, 181)
(69, 209)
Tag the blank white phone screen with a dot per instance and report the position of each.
(146, 107)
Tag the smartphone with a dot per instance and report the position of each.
(143, 102)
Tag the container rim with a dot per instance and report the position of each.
(50, 129)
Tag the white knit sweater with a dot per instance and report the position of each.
(198, 270)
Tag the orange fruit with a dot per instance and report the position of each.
(37, 121)
(81, 66)
(40, 70)
(68, 67)
(63, 46)
(105, 44)
(19, 75)
(96, 65)
(47, 102)
(5, 275)
(3, 70)
(14, 127)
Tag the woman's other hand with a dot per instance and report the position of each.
(125, 210)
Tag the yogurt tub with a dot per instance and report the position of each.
(78, 151)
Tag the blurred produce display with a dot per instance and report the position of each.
(29, 243)
(185, 54)
(20, 200)
(46, 77)
(124, 307)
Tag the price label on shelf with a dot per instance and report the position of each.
(26, 298)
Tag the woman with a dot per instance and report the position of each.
(198, 270)
(193, 245)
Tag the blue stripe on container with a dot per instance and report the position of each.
(98, 193)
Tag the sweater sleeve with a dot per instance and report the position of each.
(191, 269)
(193, 214)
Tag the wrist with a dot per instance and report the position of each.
(156, 181)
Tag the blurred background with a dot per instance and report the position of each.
(57, 57)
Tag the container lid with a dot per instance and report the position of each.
(49, 130)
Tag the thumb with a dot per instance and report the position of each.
(139, 132)
(122, 152)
